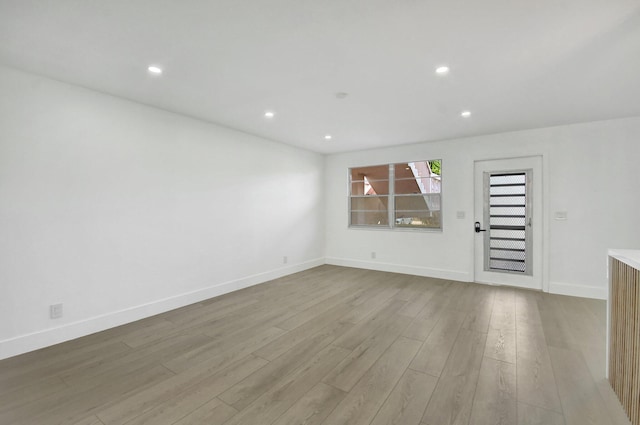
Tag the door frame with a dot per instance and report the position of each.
(543, 220)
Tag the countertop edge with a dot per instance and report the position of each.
(630, 257)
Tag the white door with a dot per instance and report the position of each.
(508, 216)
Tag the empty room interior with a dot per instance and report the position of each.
(322, 213)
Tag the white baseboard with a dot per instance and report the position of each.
(36, 340)
(574, 290)
(400, 268)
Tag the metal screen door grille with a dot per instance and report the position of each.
(507, 222)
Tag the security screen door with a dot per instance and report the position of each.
(508, 223)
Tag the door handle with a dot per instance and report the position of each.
(477, 227)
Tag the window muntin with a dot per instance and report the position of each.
(401, 195)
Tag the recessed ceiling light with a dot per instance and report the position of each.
(465, 114)
(328, 137)
(155, 70)
(442, 70)
(269, 114)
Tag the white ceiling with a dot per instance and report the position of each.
(515, 64)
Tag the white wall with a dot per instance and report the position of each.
(591, 170)
(121, 211)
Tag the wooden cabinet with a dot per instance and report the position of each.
(623, 333)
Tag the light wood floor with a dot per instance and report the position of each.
(331, 346)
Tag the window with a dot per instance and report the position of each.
(403, 195)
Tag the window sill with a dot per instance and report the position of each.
(397, 229)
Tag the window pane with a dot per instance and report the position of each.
(370, 187)
(507, 254)
(372, 180)
(418, 185)
(506, 190)
(497, 179)
(508, 200)
(507, 243)
(420, 219)
(417, 177)
(429, 202)
(510, 234)
(507, 221)
(507, 210)
(369, 203)
(411, 203)
(368, 218)
(510, 265)
(417, 169)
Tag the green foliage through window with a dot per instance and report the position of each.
(435, 166)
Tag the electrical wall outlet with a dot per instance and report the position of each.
(373, 255)
(285, 260)
(55, 311)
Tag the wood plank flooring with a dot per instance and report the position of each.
(331, 346)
